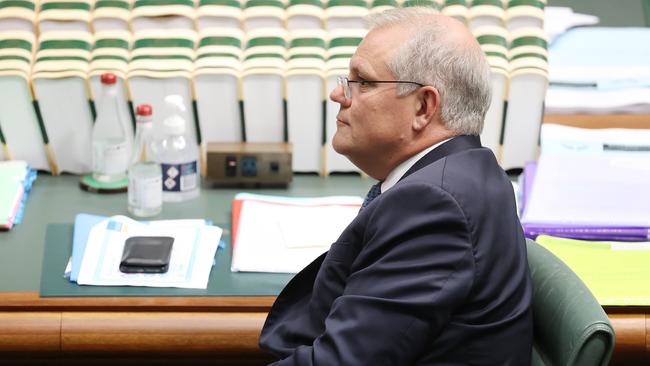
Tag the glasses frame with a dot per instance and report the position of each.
(344, 82)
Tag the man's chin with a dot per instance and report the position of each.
(339, 145)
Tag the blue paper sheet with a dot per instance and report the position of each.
(83, 223)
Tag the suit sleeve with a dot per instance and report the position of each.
(415, 267)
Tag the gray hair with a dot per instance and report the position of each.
(460, 74)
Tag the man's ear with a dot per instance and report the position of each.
(427, 104)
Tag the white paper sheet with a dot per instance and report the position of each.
(591, 177)
(194, 247)
(286, 234)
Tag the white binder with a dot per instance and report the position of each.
(19, 123)
(263, 85)
(305, 16)
(528, 84)
(345, 14)
(433, 4)
(18, 120)
(61, 15)
(486, 13)
(266, 14)
(162, 61)
(219, 14)
(68, 120)
(494, 43)
(305, 98)
(456, 9)
(59, 77)
(377, 6)
(111, 15)
(217, 71)
(525, 14)
(18, 16)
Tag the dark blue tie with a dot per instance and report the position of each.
(374, 191)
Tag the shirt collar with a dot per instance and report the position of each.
(396, 174)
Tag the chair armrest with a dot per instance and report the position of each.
(571, 328)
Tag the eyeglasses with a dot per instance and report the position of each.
(347, 92)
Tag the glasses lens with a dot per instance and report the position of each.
(343, 82)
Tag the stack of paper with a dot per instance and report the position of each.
(284, 234)
(16, 180)
(559, 19)
(600, 70)
(616, 273)
(99, 241)
(590, 184)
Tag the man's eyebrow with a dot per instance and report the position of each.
(357, 70)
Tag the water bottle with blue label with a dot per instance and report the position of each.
(177, 155)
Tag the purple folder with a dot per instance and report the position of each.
(584, 232)
(603, 233)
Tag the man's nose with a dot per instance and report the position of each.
(337, 96)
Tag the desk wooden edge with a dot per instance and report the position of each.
(600, 120)
(227, 326)
(31, 301)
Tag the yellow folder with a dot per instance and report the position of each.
(617, 273)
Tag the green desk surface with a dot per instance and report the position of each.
(57, 200)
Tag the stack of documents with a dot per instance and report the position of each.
(16, 180)
(590, 184)
(99, 241)
(559, 19)
(616, 273)
(600, 70)
(284, 234)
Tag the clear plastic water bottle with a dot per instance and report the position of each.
(177, 155)
(110, 142)
(145, 175)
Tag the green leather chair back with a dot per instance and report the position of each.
(571, 328)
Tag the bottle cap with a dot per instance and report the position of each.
(144, 110)
(174, 125)
(174, 102)
(108, 78)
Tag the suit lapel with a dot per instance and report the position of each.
(457, 144)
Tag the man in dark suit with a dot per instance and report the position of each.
(433, 269)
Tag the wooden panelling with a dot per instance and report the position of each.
(647, 336)
(28, 331)
(631, 339)
(25, 301)
(600, 120)
(161, 332)
(190, 327)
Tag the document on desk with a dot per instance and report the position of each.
(284, 234)
(599, 70)
(16, 179)
(591, 179)
(617, 273)
(195, 245)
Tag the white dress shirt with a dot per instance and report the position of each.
(399, 171)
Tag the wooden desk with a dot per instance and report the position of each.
(218, 330)
(141, 330)
(221, 330)
(600, 120)
(172, 330)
